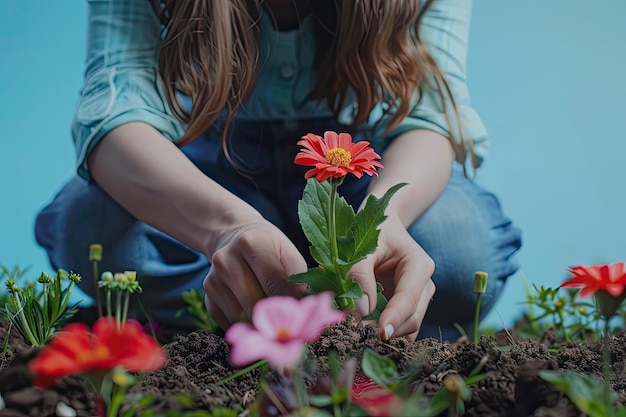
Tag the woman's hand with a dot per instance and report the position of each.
(405, 270)
(250, 262)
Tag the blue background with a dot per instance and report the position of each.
(547, 77)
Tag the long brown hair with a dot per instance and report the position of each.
(372, 48)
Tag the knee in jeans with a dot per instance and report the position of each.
(456, 263)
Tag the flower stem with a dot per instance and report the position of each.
(126, 302)
(108, 294)
(95, 281)
(476, 318)
(562, 323)
(332, 230)
(342, 302)
(300, 391)
(118, 308)
(606, 361)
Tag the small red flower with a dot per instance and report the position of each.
(374, 399)
(76, 350)
(610, 278)
(335, 155)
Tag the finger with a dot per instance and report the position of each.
(412, 280)
(230, 271)
(412, 325)
(363, 273)
(272, 264)
(216, 313)
(221, 303)
(232, 286)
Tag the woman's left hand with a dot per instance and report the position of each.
(405, 270)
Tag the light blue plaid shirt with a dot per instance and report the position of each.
(122, 83)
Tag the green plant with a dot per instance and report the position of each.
(123, 284)
(607, 285)
(95, 256)
(339, 237)
(196, 307)
(590, 396)
(18, 274)
(452, 395)
(480, 286)
(576, 319)
(340, 241)
(96, 354)
(38, 311)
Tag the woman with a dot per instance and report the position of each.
(186, 130)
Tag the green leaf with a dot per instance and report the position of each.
(345, 249)
(319, 280)
(320, 400)
(354, 290)
(366, 221)
(312, 212)
(380, 369)
(590, 396)
(475, 378)
(344, 216)
(437, 403)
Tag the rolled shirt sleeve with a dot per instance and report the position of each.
(445, 31)
(121, 82)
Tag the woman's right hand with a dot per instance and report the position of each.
(251, 258)
(250, 262)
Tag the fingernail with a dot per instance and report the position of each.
(389, 331)
(363, 305)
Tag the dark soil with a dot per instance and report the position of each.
(198, 361)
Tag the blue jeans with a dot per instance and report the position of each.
(464, 230)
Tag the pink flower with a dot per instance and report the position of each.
(281, 326)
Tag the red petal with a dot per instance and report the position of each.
(322, 175)
(345, 142)
(616, 271)
(615, 289)
(331, 139)
(574, 282)
(587, 291)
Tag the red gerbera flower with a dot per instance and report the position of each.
(335, 155)
(76, 350)
(610, 278)
(605, 282)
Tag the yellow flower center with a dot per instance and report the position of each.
(283, 334)
(338, 157)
